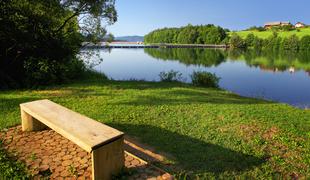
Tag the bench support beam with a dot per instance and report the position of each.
(31, 124)
(108, 160)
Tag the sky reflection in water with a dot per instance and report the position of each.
(279, 76)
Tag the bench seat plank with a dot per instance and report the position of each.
(85, 132)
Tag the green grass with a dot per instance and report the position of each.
(9, 167)
(206, 132)
(268, 33)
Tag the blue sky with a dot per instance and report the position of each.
(138, 17)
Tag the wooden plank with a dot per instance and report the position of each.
(85, 132)
(31, 124)
(108, 160)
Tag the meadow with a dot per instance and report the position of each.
(265, 34)
(204, 132)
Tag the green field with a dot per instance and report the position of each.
(266, 34)
(206, 132)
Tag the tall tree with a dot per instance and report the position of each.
(39, 39)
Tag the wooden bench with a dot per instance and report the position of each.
(103, 142)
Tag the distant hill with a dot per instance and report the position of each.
(130, 38)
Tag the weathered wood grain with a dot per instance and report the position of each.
(113, 156)
(83, 131)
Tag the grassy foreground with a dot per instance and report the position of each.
(207, 132)
(266, 34)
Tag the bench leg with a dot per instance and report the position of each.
(108, 160)
(30, 124)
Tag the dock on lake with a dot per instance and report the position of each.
(222, 46)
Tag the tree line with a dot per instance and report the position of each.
(211, 34)
(202, 34)
(274, 42)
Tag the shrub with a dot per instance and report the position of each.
(38, 55)
(170, 76)
(40, 39)
(254, 28)
(226, 40)
(42, 71)
(287, 28)
(205, 79)
(291, 43)
(273, 42)
(258, 43)
(305, 43)
(283, 28)
(236, 41)
(249, 40)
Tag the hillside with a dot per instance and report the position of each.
(266, 34)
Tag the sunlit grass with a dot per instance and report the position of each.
(207, 132)
(265, 34)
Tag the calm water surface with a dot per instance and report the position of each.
(280, 77)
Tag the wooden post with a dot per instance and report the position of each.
(29, 123)
(108, 160)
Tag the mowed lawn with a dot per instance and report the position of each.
(266, 34)
(205, 132)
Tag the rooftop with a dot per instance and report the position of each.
(276, 23)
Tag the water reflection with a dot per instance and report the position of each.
(279, 76)
(275, 61)
(204, 57)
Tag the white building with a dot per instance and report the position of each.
(299, 25)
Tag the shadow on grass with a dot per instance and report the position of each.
(176, 93)
(143, 93)
(10, 104)
(162, 93)
(192, 154)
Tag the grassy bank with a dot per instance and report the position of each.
(207, 132)
(265, 34)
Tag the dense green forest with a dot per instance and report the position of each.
(203, 34)
(40, 40)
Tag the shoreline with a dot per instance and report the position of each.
(156, 45)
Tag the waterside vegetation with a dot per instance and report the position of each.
(273, 42)
(263, 33)
(40, 39)
(204, 34)
(275, 38)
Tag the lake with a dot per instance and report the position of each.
(281, 76)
